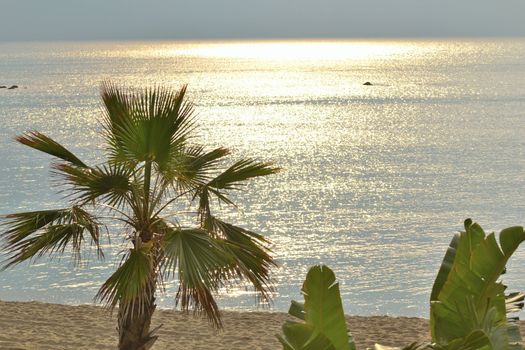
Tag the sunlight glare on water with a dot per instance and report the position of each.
(286, 51)
(376, 178)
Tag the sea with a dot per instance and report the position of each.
(376, 178)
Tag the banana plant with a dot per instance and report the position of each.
(324, 326)
(469, 308)
(467, 300)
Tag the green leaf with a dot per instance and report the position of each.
(323, 306)
(234, 176)
(249, 251)
(476, 340)
(47, 145)
(510, 238)
(297, 310)
(471, 299)
(302, 336)
(201, 266)
(444, 270)
(150, 125)
(131, 285)
(110, 183)
(30, 235)
(322, 312)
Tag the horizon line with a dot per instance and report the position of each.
(269, 38)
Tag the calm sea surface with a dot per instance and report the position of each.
(377, 178)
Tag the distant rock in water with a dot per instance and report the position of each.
(367, 83)
(3, 86)
(12, 87)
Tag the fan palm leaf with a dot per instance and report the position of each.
(193, 168)
(33, 234)
(47, 145)
(110, 183)
(131, 284)
(235, 176)
(149, 126)
(250, 253)
(198, 261)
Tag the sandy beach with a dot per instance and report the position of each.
(41, 326)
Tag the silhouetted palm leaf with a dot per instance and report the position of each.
(47, 145)
(235, 175)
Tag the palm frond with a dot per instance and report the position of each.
(199, 263)
(251, 259)
(47, 145)
(131, 286)
(231, 179)
(151, 125)
(109, 182)
(204, 210)
(30, 235)
(234, 176)
(202, 161)
(193, 167)
(250, 251)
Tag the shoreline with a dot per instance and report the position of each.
(37, 325)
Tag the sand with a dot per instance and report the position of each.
(41, 326)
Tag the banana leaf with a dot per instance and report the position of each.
(302, 336)
(322, 312)
(467, 296)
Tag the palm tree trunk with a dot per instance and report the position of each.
(134, 328)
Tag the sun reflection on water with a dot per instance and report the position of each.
(294, 50)
(273, 50)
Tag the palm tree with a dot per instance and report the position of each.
(151, 165)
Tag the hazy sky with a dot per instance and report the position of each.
(202, 19)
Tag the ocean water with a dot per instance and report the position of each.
(376, 178)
